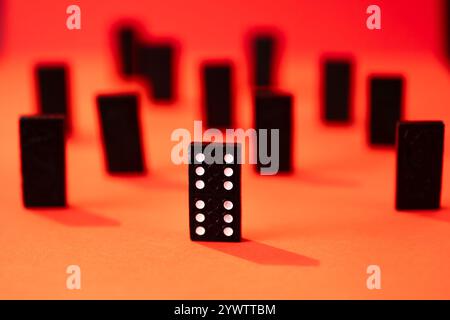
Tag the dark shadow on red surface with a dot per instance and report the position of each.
(262, 253)
(442, 214)
(75, 217)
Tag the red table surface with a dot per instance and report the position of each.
(310, 235)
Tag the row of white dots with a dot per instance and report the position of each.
(227, 231)
(228, 158)
(200, 217)
(200, 184)
(200, 204)
(200, 171)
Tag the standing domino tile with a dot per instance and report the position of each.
(420, 146)
(53, 91)
(337, 94)
(121, 132)
(218, 94)
(386, 104)
(274, 111)
(43, 161)
(263, 48)
(446, 32)
(215, 192)
(127, 38)
(156, 64)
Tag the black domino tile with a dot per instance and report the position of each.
(446, 32)
(420, 146)
(274, 111)
(156, 64)
(208, 222)
(128, 42)
(337, 94)
(386, 108)
(53, 91)
(43, 163)
(264, 48)
(217, 88)
(121, 132)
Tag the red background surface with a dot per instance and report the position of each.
(310, 235)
